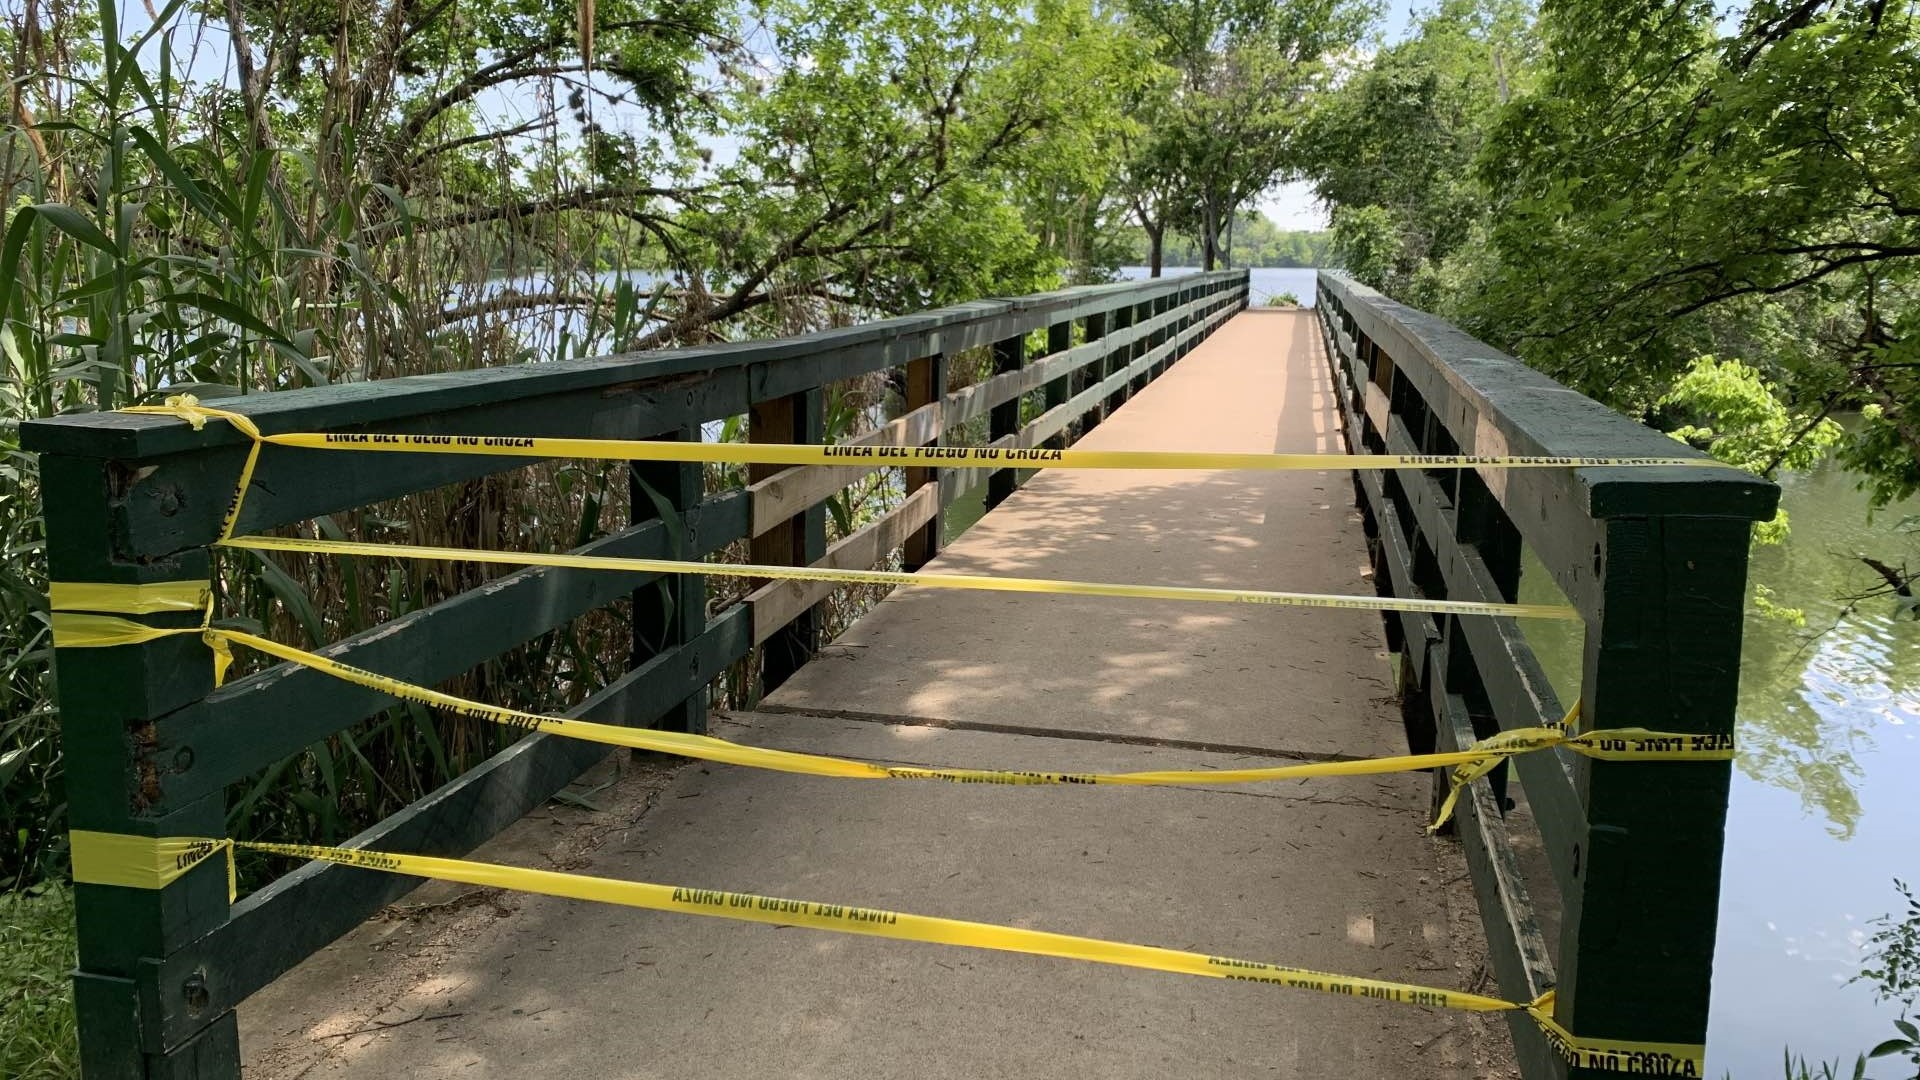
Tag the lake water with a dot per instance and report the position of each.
(548, 333)
(1825, 810)
(1263, 282)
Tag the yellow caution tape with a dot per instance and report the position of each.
(188, 408)
(73, 630)
(130, 599)
(894, 577)
(142, 862)
(977, 457)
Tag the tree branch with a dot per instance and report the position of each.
(584, 199)
(508, 69)
(489, 136)
(514, 301)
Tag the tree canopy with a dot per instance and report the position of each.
(1635, 197)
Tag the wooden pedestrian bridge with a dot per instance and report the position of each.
(1563, 925)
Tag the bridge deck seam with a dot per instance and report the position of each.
(1036, 731)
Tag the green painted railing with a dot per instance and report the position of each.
(1655, 560)
(152, 747)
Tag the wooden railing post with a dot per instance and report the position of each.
(926, 385)
(1059, 340)
(672, 611)
(109, 699)
(1009, 354)
(1663, 652)
(1093, 328)
(1162, 305)
(798, 541)
(1187, 319)
(1142, 312)
(1117, 361)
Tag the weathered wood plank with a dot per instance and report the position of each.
(797, 541)
(791, 491)
(1522, 964)
(778, 602)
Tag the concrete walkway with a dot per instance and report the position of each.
(1332, 874)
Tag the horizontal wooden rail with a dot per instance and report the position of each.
(789, 492)
(219, 740)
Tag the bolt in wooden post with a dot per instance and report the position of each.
(798, 541)
(926, 384)
(109, 699)
(1009, 354)
(1638, 919)
(671, 611)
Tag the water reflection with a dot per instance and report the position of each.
(1813, 700)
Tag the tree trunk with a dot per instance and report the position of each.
(252, 93)
(1156, 234)
(1209, 237)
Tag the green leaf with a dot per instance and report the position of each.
(74, 224)
(400, 206)
(299, 359)
(842, 519)
(676, 525)
(175, 174)
(1891, 1046)
(224, 309)
(159, 23)
(291, 596)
